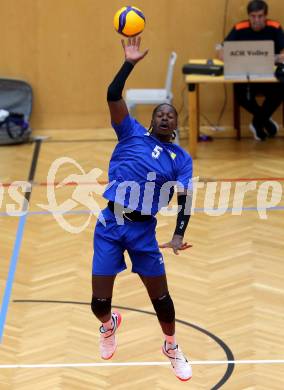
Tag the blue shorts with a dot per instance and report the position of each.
(138, 238)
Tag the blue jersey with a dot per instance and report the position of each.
(143, 170)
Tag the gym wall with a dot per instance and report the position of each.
(69, 52)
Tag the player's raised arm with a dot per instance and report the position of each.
(117, 107)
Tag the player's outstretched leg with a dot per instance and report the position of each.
(158, 291)
(101, 307)
(108, 342)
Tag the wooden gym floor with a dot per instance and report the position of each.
(228, 288)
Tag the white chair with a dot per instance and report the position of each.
(153, 96)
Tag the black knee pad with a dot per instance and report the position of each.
(164, 308)
(101, 306)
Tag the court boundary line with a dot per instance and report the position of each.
(11, 273)
(139, 364)
(82, 212)
(105, 182)
(18, 241)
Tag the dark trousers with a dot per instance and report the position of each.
(273, 96)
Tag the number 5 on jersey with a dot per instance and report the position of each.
(157, 151)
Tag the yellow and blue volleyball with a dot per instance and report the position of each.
(129, 21)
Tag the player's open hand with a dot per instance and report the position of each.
(176, 244)
(132, 49)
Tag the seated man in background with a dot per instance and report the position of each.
(259, 28)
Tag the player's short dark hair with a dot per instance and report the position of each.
(257, 5)
(156, 109)
(161, 105)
